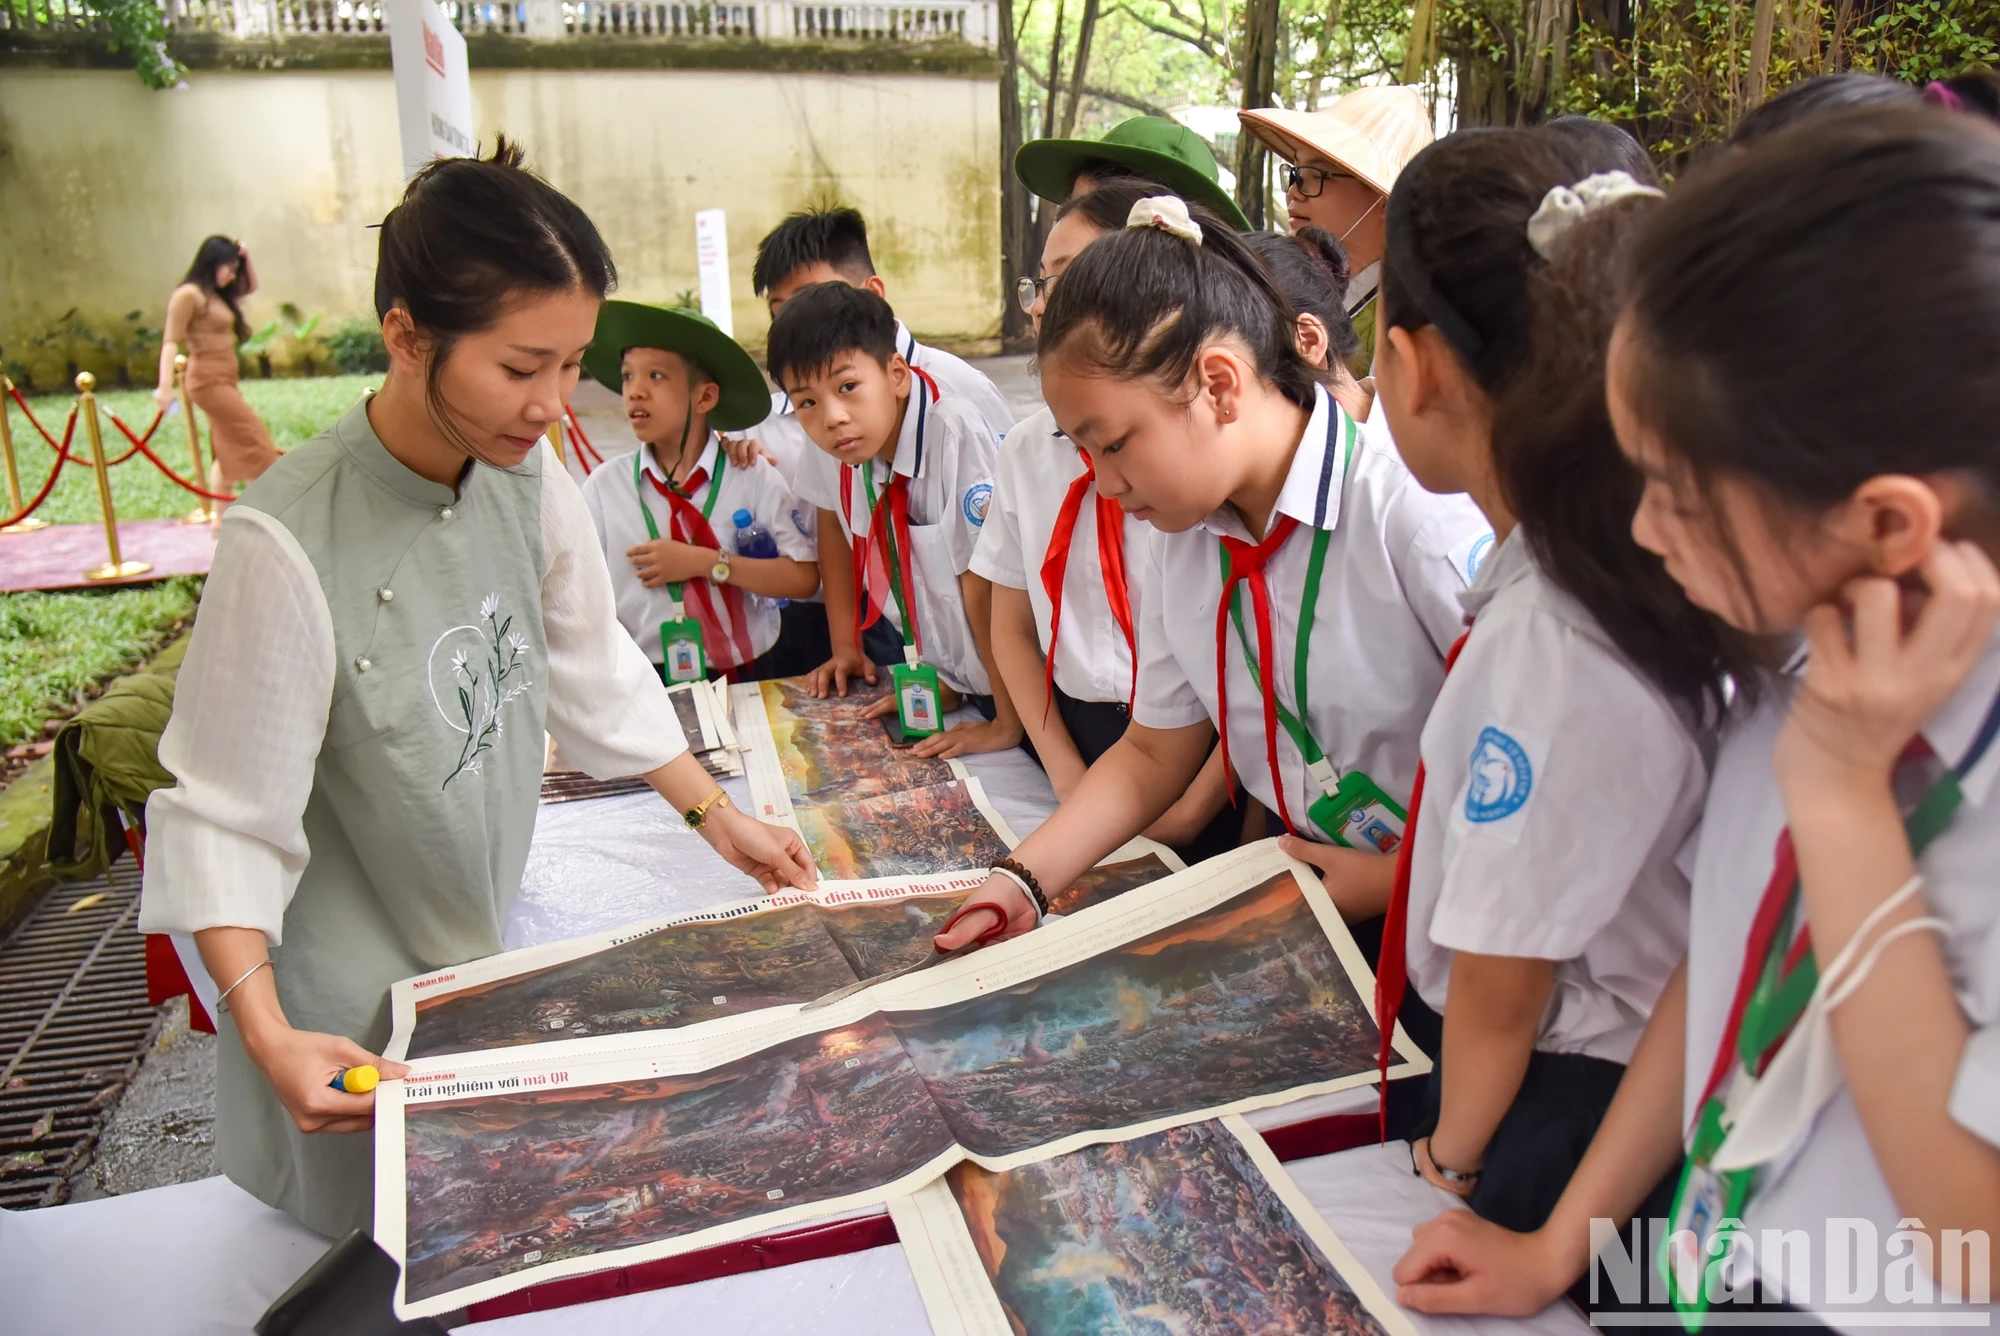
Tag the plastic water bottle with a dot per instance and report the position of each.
(754, 540)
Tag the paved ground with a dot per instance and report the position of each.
(163, 1130)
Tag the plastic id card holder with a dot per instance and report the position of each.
(1705, 1203)
(1357, 814)
(680, 650)
(917, 706)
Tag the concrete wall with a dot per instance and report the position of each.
(106, 188)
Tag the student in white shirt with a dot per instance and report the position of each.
(831, 246)
(1791, 495)
(1566, 758)
(1167, 353)
(667, 514)
(902, 478)
(1072, 662)
(823, 246)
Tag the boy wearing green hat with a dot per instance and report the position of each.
(1150, 148)
(669, 513)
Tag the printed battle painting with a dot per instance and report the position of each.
(1244, 999)
(662, 980)
(942, 828)
(499, 1183)
(828, 751)
(884, 935)
(1176, 1233)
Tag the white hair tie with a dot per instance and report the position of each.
(1169, 213)
(1566, 206)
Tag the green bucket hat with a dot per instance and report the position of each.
(745, 400)
(1162, 150)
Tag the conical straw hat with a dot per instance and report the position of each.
(1372, 132)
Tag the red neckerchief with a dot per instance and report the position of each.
(1392, 968)
(687, 524)
(873, 554)
(1110, 559)
(1246, 563)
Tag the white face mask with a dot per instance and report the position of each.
(1771, 1114)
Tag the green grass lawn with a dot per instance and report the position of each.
(54, 645)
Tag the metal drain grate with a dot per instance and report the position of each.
(73, 1024)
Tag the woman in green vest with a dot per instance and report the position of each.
(397, 612)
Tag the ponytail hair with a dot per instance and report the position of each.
(1310, 267)
(1572, 489)
(1140, 303)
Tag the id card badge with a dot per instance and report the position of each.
(916, 699)
(681, 652)
(1358, 815)
(1704, 1202)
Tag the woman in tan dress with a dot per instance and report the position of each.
(205, 320)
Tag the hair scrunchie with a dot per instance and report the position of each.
(1169, 213)
(1566, 206)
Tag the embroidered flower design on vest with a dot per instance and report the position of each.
(483, 685)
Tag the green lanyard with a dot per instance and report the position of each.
(1301, 736)
(888, 543)
(707, 506)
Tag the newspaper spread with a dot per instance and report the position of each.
(729, 960)
(1227, 987)
(1195, 1228)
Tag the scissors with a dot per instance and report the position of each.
(989, 933)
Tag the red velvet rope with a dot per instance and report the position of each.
(62, 457)
(65, 456)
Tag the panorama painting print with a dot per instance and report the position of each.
(501, 1183)
(934, 829)
(828, 751)
(663, 980)
(1174, 1234)
(883, 935)
(1244, 999)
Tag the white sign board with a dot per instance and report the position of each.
(711, 257)
(433, 84)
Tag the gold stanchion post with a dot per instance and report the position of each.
(555, 439)
(14, 501)
(117, 568)
(202, 512)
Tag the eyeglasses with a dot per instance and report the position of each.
(1309, 181)
(1028, 291)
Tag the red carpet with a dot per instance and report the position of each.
(57, 557)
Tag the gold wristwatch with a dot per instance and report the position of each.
(698, 814)
(719, 572)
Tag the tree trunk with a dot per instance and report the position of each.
(1055, 76)
(1015, 327)
(1086, 28)
(1417, 47)
(1259, 68)
(1760, 53)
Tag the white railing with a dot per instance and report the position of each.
(969, 21)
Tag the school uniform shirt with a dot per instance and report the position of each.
(1387, 612)
(1561, 783)
(946, 451)
(357, 747)
(613, 504)
(788, 443)
(1833, 1173)
(1036, 467)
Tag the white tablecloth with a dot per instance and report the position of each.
(206, 1257)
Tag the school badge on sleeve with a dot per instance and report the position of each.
(978, 500)
(1501, 780)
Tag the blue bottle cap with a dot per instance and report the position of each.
(742, 518)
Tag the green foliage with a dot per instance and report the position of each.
(135, 27)
(53, 645)
(293, 410)
(357, 348)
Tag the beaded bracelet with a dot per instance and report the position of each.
(1020, 876)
